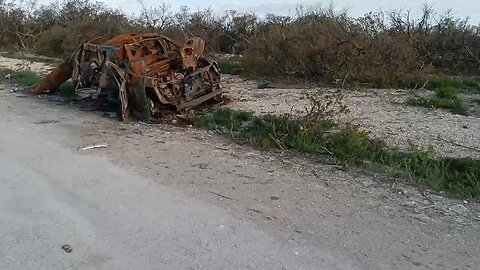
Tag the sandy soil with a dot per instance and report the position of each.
(361, 217)
(24, 65)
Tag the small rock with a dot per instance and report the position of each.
(203, 166)
(264, 85)
(274, 198)
(459, 209)
(67, 248)
(8, 76)
(110, 114)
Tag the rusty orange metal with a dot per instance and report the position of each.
(150, 74)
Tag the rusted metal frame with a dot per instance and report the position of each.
(122, 88)
(100, 60)
(151, 39)
(139, 93)
(198, 100)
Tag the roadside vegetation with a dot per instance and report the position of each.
(25, 78)
(449, 93)
(22, 78)
(29, 78)
(446, 98)
(232, 65)
(347, 145)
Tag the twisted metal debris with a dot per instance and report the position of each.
(150, 74)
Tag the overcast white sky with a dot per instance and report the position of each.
(461, 8)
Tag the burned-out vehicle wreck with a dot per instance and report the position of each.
(148, 75)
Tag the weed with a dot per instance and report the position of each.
(232, 66)
(446, 97)
(26, 78)
(467, 84)
(22, 78)
(348, 145)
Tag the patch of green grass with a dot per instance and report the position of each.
(467, 84)
(67, 89)
(26, 78)
(446, 98)
(22, 78)
(232, 66)
(349, 146)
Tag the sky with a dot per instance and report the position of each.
(356, 8)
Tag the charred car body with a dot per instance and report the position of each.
(150, 74)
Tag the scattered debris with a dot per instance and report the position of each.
(92, 146)
(44, 122)
(202, 166)
(67, 248)
(315, 173)
(427, 197)
(264, 85)
(221, 195)
(222, 148)
(110, 114)
(147, 76)
(428, 207)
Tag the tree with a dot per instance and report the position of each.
(155, 18)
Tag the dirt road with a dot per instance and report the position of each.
(162, 197)
(52, 196)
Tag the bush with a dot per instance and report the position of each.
(51, 42)
(447, 97)
(382, 49)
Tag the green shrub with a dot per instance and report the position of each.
(232, 66)
(26, 78)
